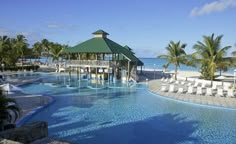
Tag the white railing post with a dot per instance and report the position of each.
(93, 63)
(234, 77)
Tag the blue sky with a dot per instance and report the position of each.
(146, 26)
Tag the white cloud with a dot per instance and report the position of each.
(63, 26)
(4, 31)
(53, 25)
(215, 6)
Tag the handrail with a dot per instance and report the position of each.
(101, 63)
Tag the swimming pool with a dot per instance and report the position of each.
(127, 115)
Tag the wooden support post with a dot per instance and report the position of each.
(96, 76)
(128, 71)
(69, 73)
(108, 75)
(77, 72)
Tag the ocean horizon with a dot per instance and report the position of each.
(157, 64)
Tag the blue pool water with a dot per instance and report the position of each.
(127, 115)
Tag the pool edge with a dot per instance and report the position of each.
(191, 103)
(35, 111)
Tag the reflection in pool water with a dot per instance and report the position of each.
(128, 115)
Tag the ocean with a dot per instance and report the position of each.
(157, 64)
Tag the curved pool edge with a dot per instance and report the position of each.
(29, 115)
(191, 103)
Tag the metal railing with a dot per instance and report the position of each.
(91, 63)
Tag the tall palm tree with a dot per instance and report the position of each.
(234, 52)
(4, 47)
(9, 111)
(56, 52)
(46, 50)
(38, 49)
(21, 45)
(234, 57)
(175, 55)
(210, 54)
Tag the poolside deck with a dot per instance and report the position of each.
(227, 102)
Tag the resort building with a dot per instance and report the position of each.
(103, 59)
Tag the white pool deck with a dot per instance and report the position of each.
(227, 102)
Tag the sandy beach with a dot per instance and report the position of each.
(151, 74)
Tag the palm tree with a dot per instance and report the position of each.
(46, 50)
(4, 47)
(175, 55)
(8, 109)
(56, 52)
(38, 49)
(234, 52)
(234, 58)
(210, 55)
(21, 45)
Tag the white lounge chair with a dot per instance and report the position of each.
(180, 90)
(195, 84)
(199, 91)
(214, 87)
(189, 84)
(171, 80)
(177, 82)
(164, 88)
(220, 92)
(204, 85)
(162, 79)
(172, 88)
(230, 93)
(209, 92)
(166, 80)
(190, 90)
(182, 82)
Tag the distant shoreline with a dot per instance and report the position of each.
(182, 75)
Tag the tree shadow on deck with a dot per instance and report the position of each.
(166, 129)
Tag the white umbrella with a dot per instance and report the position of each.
(221, 77)
(10, 88)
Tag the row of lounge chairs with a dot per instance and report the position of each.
(196, 88)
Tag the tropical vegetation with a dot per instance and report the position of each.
(234, 52)
(176, 55)
(56, 51)
(16, 50)
(211, 56)
(9, 111)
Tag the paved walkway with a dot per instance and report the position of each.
(155, 87)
